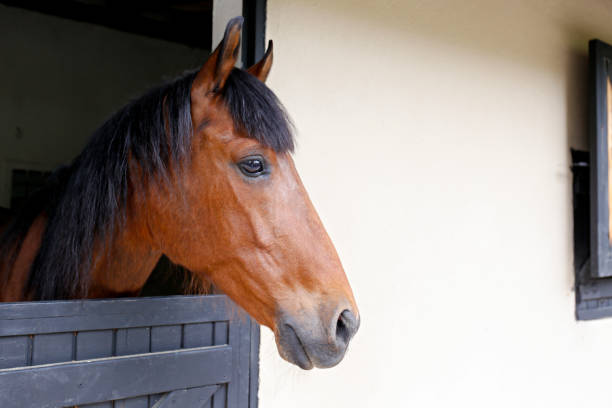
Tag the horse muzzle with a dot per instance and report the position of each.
(320, 343)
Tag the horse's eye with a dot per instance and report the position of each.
(252, 166)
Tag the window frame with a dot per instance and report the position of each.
(591, 194)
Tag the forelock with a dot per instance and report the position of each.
(257, 111)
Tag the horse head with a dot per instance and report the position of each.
(246, 222)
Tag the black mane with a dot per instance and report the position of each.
(85, 202)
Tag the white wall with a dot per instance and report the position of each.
(59, 80)
(434, 140)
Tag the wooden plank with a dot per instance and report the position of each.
(235, 340)
(138, 402)
(74, 383)
(198, 335)
(94, 344)
(244, 363)
(192, 397)
(153, 398)
(240, 334)
(132, 341)
(122, 306)
(52, 348)
(208, 404)
(13, 351)
(166, 338)
(85, 315)
(221, 336)
(221, 333)
(254, 365)
(108, 404)
(219, 399)
(254, 31)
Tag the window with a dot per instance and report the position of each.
(593, 195)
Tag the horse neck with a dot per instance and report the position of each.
(126, 265)
(122, 271)
(12, 288)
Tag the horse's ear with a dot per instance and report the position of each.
(219, 65)
(262, 68)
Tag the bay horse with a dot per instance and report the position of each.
(198, 170)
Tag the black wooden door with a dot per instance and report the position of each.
(179, 351)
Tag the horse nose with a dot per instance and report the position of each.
(317, 341)
(347, 325)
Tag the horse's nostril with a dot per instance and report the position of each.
(346, 326)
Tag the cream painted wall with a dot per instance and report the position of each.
(434, 139)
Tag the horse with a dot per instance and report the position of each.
(199, 170)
